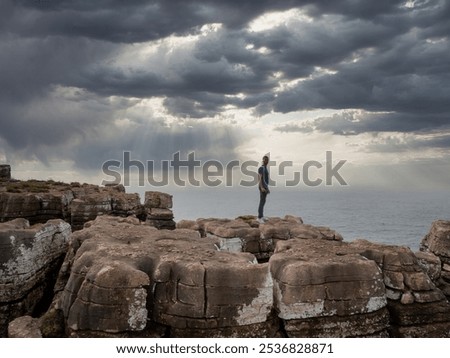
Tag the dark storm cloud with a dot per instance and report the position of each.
(218, 64)
(129, 21)
(354, 123)
(30, 67)
(387, 59)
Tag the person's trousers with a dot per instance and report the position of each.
(262, 202)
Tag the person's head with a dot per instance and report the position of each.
(265, 160)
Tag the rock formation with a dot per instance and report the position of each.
(5, 172)
(204, 280)
(326, 289)
(39, 201)
(417, 307)
(158, 210)
(121, 273)
(127, 276)
(30, 258)
(437, 244)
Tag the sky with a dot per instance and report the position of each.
(82, 82)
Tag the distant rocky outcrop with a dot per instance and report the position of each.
(39, 201)
(158, 211)
(5, 172)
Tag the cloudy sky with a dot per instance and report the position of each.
(84, 81)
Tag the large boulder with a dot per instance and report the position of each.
(323, 289)
(30, 257)
(158, 211)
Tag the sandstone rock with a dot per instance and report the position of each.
(399, 265)
(36, 208)
(270, 329)
(88, 209)
(430, 263)
(126, 276)
(434, 330)
(236, 236)
(418, 281)
(366, 325)
(90, 203)
(407, 298)
(24, 327)
(418, 314)
(251, 220)
(121, 277)
(316, 279)
(289, 227)
(188, 224)
(394, 280)
(437, 240)
(39, 201)
(160, 218)
(157, 200)
(157, 207)
(51, 325)
(124, 204)
(415, 295)
(29, 260)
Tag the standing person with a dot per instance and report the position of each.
(263, 185)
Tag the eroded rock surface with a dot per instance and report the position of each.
(437, 243)
(39, 201)
(244, 234)
(415, 303)
(30, 257)
(322, 288)
(203, 280)
(127, 276)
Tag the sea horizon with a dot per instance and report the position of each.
(387, 216)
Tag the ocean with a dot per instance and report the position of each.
(385, 216)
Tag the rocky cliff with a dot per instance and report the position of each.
(30, 258)
(124, 275)
(39, 201)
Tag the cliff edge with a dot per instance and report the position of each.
(84, 261)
